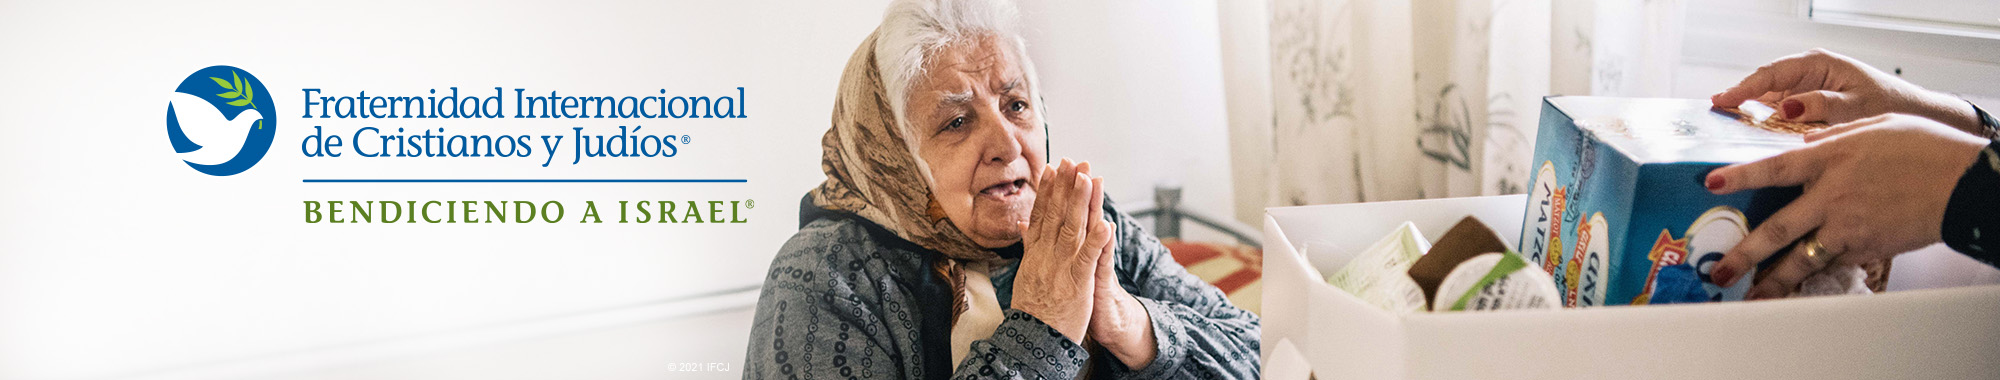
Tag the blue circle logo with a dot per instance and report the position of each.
(221, 121)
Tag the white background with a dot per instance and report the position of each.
(119, 261)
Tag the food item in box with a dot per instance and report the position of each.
(1459, 278)
(1497, 281)
(1379, 275)
(1764, 115)
(1835, 280)
(1617, 212)
(1470, 268)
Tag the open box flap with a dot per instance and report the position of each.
(1285, 277)
(1296, 300)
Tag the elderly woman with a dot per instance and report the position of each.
(941, 244)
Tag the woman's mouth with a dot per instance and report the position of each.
(1005, 190)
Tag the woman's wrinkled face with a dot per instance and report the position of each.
(981, 135)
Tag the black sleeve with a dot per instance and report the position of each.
(1989, 127)
(1972, 218)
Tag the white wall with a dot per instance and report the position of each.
(1135, 87)
(1727, 39)
(118, 260)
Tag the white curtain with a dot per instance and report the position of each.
(1389, 99)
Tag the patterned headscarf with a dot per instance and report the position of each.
(872, 172)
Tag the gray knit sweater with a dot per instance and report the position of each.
(845, 299)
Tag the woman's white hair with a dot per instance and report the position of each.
(913, 29)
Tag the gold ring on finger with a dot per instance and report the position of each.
(1815, 253)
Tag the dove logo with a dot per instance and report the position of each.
(221, 121)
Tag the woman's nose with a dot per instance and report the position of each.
(999, 141)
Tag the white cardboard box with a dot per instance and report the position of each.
(1909, 332)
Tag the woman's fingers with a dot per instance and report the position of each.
(1064, 170)
(1751, 87)
(1794, 220)
(1104, 236)
(1788, 74)
(1059, 190)
(1100, 231)
(1779, 280)
(1069, 209)
(1843, 128)
(1771, 98)
(1780, 230)
(1093, 250)
(1760, 82)
(1038, 225)
(1042, 184)
(1063, 244)
(1051, 198)
(1065, 212)
(1791, 168)
(1096, 199)
(1077, 208)
(1092, 201)
(1819, 105)
(1107, 271)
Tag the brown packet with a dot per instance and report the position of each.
(1466, 239)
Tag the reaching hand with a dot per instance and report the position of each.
(1820, 85)
(1874, 188)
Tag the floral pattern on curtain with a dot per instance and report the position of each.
(1378, 100)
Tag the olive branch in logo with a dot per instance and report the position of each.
(239, 91)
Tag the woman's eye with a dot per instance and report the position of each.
(1018, 106)
(955, 123)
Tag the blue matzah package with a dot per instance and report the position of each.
(1616, 211)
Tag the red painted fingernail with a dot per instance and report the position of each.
(1714, 182)
(1794, 109)
(1723, 275)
